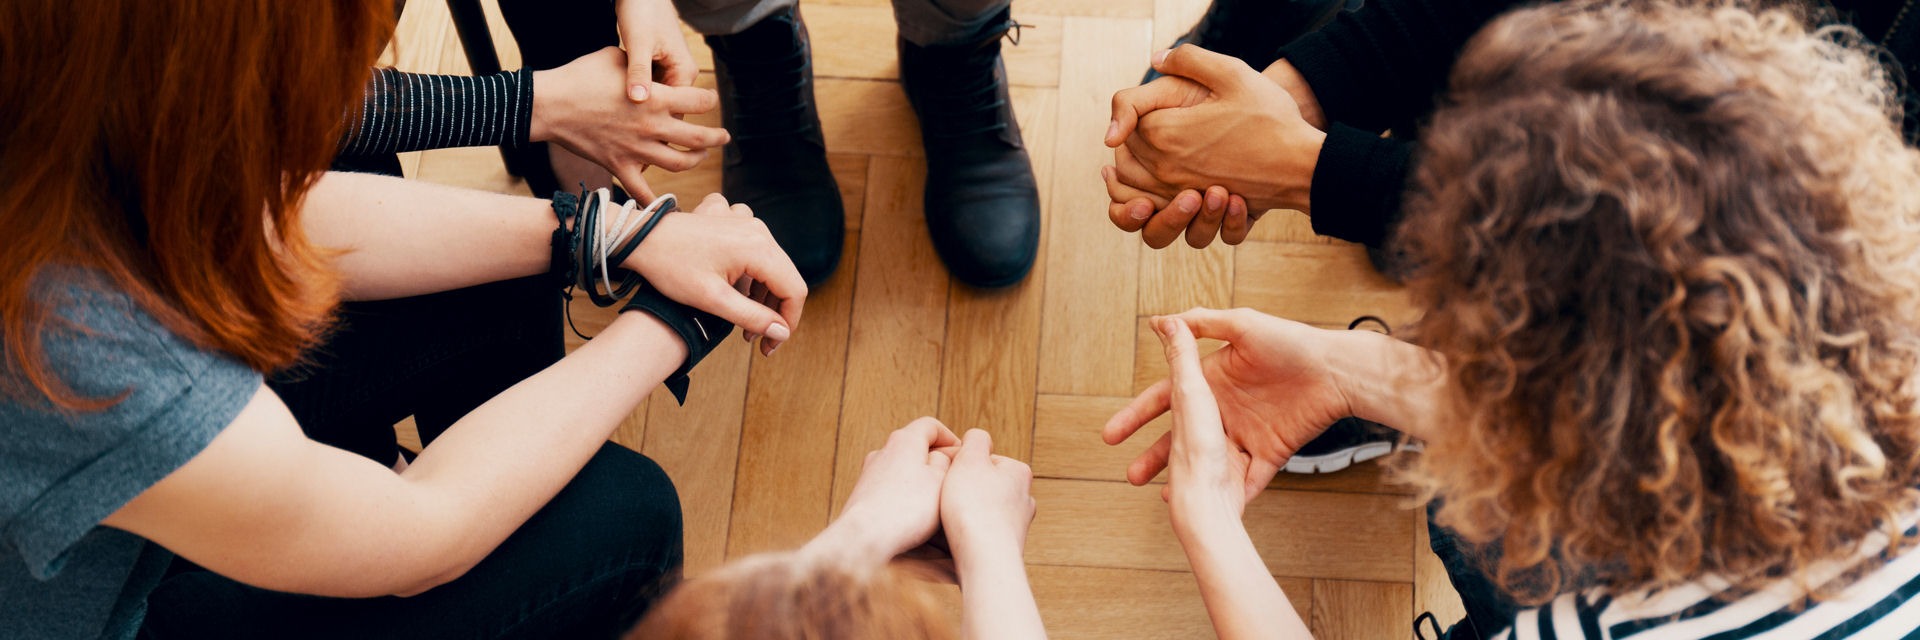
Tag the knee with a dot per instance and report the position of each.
(639, 508)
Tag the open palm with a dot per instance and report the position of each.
(1274, 388)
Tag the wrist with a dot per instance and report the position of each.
(1194, 516)
(851, 539)
(1388, 381)
(983, 558)
(545, 99)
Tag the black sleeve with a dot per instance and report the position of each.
(1358, 185)
(1382, 66)
(414, 112)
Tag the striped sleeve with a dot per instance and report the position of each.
(414, 112)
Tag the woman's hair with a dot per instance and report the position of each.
(166, 145)
(1668, 253)
(792, 596)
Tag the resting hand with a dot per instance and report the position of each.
(986, 505)
(579, 107)
(895, 506)
(1275, 389)
(696, 258)
(1213, 125)
(651, 31)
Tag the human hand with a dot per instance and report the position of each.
(1212, 122)
(1207, 473)
(698, 259)
(986, 504)
(895, 505)
(1275, 386)
(577, 107)
(650, 29)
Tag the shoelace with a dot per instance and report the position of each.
(1430, 619)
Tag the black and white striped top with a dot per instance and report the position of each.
(415, 112)
(1878, 605)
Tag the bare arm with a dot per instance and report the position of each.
(402, 238)
(996, 600)
(265, 506)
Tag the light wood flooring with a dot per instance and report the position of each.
(766, 449)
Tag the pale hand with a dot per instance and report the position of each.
(696, 258)
(1206, 471)
(1274, 387)
(987, 503)
(895, 505)
(580, 107)
(650, 29)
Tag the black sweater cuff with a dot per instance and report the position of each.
(1358, 185)
(1327, 70)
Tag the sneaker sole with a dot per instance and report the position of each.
(1335, 461)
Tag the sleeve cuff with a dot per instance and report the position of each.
(1318, 60)
(68, 511)
(1358, 185)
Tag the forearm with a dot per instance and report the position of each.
(996, 599)
(499, 464)
(402, 238)
(1394, 383)
(413, 112)
(1242, 599)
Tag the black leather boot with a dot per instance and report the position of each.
(983, 209)
(777, 161)
(1255, 30)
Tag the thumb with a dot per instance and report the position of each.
(1133, 103)
(975, 447)
(750, 316)
(1218, 324)
(639, 73)
(1217, 71)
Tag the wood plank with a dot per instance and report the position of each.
(1092, 277)
(1089, 602)
(1318, 284)
(1067, 445)
(1344, 610)
(784, 488)
(1172, 19)
(1307, 534)
(899, 322)
(699, 446)
(989, 378)
(1287, 225)
(1432, 589)
(1180, 277)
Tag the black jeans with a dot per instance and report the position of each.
(586, 565)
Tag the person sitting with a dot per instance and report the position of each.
(173, 236)
(925, 483)
(1666, 373)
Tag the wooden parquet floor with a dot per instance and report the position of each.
(766, 449)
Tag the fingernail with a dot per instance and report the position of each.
(637, 92)
(1106, 174)
(779, 332)
(1161, 56)
(1215, 202)
(1186, 203)
(1113, 129)
(1139, 210)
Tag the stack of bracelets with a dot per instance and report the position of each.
(588, 250)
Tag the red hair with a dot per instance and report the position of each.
(167, 146)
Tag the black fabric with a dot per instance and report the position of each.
(1383, 67)
(585, 566)
(552, 33)
(404, 112)
(701, 331)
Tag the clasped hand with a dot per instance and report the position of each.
(1208, 148)
(926, 480)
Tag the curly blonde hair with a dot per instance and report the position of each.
(1668, 252)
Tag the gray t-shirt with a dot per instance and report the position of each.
(62, 472)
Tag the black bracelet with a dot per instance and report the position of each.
(561, 265)
(701, 331)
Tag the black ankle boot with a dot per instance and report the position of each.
(982, 206)
(777, 161)
(1255, 30)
